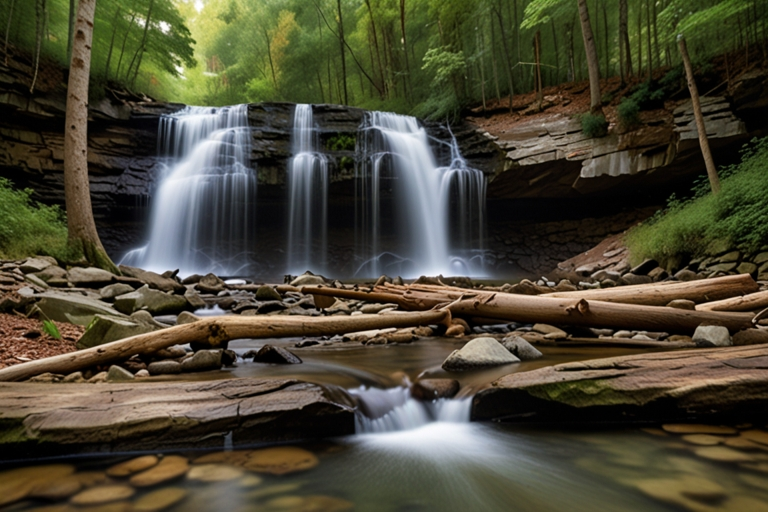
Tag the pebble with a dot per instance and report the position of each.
(712, 336)
(118, 374)
(682, 304)
(103, 494)
(160, 499)
(164, 367)
(281, 460)
(214, 473)
(169, 468)
(132, 466)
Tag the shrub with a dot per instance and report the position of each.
(690, 227)
(341, 142)
(594, 125)
(28, 228)
(629, 113)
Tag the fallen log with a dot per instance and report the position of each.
(408, 301)
(661, 386)
(751, 302)
(217, 331)
(661, 294)
(593, 313)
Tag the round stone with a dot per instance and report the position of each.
(214, 473)
(16, 484)
(132, 466)
(281, 460)
(160, 499)
(234, 458)
(102, 494)
(169, 468)
(56, 489)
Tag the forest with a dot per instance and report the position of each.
(425, 57)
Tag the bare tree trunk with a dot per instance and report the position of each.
(622, 50)
(493, 61)
(269, 57)
(557, 52)
(143, 46)
(500, 18)
(80, 223)
(482, 68)
(112, 42)
(537, 55)
(571, 58)
(655, 33)
(376, 46)
(343, 57)
(122, 48)
(640, 40)
(409, 91)
(593, 64)
(39, 29)
(714, 180)
(648, 30)
(607, 44)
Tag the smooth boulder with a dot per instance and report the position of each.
(75, 309)
(479, 353)
(105, 329)
(154, 301)
(90, 277)
(712, 336)
(520, 348)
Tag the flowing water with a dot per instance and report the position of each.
(414, 456)
(203, 210)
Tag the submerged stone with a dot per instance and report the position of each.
(281, 460)
(169, 468)
(432, 389)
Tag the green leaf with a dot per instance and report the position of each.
(51, 330)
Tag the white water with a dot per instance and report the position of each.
(307, 181)
(428, 204)
(203, 210)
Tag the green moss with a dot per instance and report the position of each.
(590, 393)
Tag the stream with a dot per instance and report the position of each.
(414, 456)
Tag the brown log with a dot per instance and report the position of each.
(750, 302)
(216, 331)
(559, 311)
(661, 294)
(409, 301)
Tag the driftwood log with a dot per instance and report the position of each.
(216, 331)
(661, 386)
(661, 294)
(751, 302)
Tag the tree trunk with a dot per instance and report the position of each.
(661, 294)
(493, 62)
(376, 46)
(655, 34)
(639, 40)
(269, 58)
(537, 56)
(39, 29)
(8, 30)
(216, 332)
(557, 52)
(749, 302)
(500, 19)
(122, 47)
(112, 43)
(343, 57)
(648, 37)
(409, 91)
(622, 49)
(593, 64)
(571, 55)
(143, 46)
(714, 180)
(80, 223)
(482, 69)
(607, 49)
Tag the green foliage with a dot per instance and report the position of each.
(51, 330)
(688, 227)
(341, 142)
(594, 126)
(28, 228)
(629, 113)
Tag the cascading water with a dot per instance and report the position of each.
(308, 197)
(203, 211)
(426, 201)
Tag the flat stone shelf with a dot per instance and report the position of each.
(57, 419)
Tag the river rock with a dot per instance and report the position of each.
(185, 317)
(214, 472)
(90, 277)
(56, 489)
(105, 329)
(108, 293)
(432, 389)
(169, 468)
(307, 279)
(35, 264)
(281, 460)
(267, 293)
(274, 355)
(102, 494)
(132, 466)
(686, 275)
(161, 499)
(54, 271)
(152, 279)
(750, 337)
(75, 309)
(164, 367)
(682, 304)
(631, 279)
(210, 283)
(193, 298)
(33, 279)
(154, 301)
(118, 374)
(520, 348)
(712, 336)
(202, 361)
(478, 353)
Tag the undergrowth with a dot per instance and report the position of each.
(693, 226)
(28, 228)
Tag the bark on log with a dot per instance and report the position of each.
(661, 294)
(216, 331)
(63, 419)
(660, 386)
(751, 302)
(558, 311)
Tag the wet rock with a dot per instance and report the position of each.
(632, 278)
(703, 439)
(520, 348)
(169, 468)
(164, 368)
(433, 389)
(74, 378)
(105, 329)
(141, 374)
(712, 336)
(108, 293)
(682, 304)
(98, 378)
(228, 357)
(723, 454)
(75, 309)
(265, 293)
(56, 489)
(102, 494)
(194, 299)
(686, 275)
(172, 352)
(185, 317)
(658, 274)
(750, 337)
(214, 473)
(54, 271)
(210, 283)
(89, 277)
(161, 499)
(133, 466)
(33, 279)
(274, 355)
(118, 374)
(154, 301)
(202, 361)
(307, 279)
(478, 353)
(193, 279)
(687, 491)
(281, 460)
(152, 279)
(35, 264)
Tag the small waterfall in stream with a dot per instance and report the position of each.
(203, 210)
(390, 410)
(435, 217)
(307, 182)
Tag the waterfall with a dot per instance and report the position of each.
(388, 410)
(203, 210)
(412, 232)
(307, 182)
